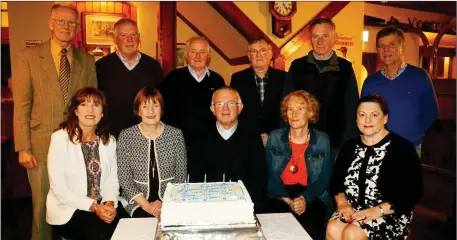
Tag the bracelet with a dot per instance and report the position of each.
(381, 210)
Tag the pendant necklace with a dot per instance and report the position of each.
(294, 167)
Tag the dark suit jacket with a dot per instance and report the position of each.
(264, 117)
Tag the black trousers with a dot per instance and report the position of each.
(86, 225)
(313, 220)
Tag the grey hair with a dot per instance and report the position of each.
(197, 38)
(124, 21)
(228, 89)
(71, 8)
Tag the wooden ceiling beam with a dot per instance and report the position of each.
(200, 33)
(242, 23)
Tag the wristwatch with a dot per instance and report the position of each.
(381, 210)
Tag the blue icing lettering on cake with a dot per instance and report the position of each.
(206, 204)
(186, 192)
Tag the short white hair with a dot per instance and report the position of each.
(194, 39)
(69, 7)
(228, 89)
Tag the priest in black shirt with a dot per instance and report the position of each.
(123, 73)
(230, 152)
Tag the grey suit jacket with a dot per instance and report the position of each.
(38, 102)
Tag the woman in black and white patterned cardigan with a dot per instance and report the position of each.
(377, 180)
(150, 155)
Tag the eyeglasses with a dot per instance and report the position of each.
(262, 52)
(230, 104)
(61, 22)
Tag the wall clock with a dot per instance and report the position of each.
(282, 13)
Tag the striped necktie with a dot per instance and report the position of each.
(64, 75)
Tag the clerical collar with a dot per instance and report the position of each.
(226, 133)
(194, 74)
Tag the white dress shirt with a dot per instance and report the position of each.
(126, 63)
(194, 74)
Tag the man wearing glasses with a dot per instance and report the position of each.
(187, 94)
(46, 78)
(261, 87)
(230, 150)
(123, 73)
(331, 80)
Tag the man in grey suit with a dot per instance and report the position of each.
(46, 78)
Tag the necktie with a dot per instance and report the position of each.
(64, 75)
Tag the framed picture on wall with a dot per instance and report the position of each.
(98, 28)
(180, 61)
(180, 55)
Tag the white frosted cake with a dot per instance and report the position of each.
(206, 204)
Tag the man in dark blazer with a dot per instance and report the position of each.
(260, 87)
(46, 78)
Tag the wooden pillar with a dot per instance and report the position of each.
(436, 44)
(279, 63)
(166, 23)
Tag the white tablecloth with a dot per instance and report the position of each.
(275, 226)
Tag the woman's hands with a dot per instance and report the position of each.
(155, 208)
(343, 208)
(367, 214)
(346, 211)
(289, 202)
(298, 204)
(106, 212)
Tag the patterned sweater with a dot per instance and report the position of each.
(133, 156)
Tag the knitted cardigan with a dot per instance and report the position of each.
(133, 156)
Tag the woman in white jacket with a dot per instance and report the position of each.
(83, 197)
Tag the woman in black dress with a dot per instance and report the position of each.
(377, 180)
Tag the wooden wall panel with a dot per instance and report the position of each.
(81, 6)
(110, 7)
(103, 7)
(89, 7)
(96, 7)
(118, 7)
